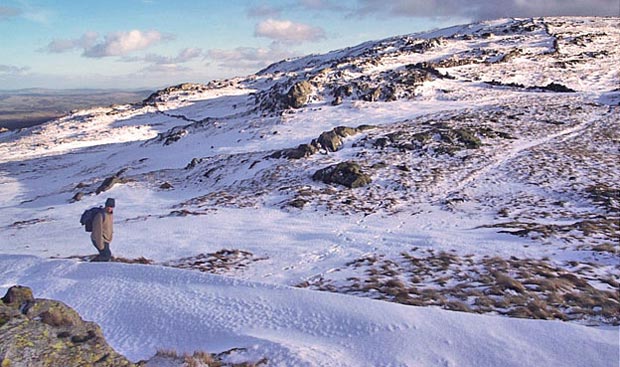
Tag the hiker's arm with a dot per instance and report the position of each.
(97, 235)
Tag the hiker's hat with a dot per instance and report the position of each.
(109, 203)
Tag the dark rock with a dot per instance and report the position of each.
(302, 151)
(108, 183)
(17, 295)
(348, 174)
(345, 131)
(298, 203)
(364, 128)
(467, 138)
(373, 96)
(559, 88)
(172, 136)
(50, 333)
(193, 163)
(330, 140)
(78, 196)
(381, 142)
(343, 91)
(166, 186)
(162, 95)
(297, 95)
(406, 146)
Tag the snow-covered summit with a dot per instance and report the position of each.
(473, 169)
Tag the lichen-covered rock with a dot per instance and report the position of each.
(40, 332)
(297, 96)
(330, 141)
(18, 296)
(348, 174)
(302, 151)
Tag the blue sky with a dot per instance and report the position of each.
(155, 43)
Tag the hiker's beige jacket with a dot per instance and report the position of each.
(103, 230)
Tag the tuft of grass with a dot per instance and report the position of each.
(505, 282)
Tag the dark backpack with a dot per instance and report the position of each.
(87, 218)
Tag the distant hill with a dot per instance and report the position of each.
(29, 107)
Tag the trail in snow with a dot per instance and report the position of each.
(513, 151)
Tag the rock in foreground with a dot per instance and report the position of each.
(41, 332)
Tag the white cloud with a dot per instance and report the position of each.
(188, 54)
(487, 9)
(288, 32)
(112, 44)
(63, 45)
(123, 43)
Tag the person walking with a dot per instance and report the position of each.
(103, 229)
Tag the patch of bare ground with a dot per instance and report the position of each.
(224, 261)
(174, 359)
(523, 288)
(220, 262)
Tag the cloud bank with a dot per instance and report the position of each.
(185, 55)
(123, 43)
(113, 44)
(12, 70)
(288, 32)
(248, 58)
(488, 9)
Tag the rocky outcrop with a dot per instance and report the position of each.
(109, 182)
(348, 174)
(164, 95)
(330, 141)
(41, 332)
(558, 88)
(302, 151)
(297, 96)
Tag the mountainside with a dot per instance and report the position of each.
(473, 168)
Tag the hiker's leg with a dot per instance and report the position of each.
(98, 256)
(105, 254)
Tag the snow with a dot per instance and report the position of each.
(235, 198)
(142, 308)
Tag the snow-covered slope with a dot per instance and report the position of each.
(142, 308)
(488, 161)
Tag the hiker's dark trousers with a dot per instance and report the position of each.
(105, 254)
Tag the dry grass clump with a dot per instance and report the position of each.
(504, 282)
(526, 288)
(220, 262)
